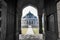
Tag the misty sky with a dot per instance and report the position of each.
(33, 10)
(26, 10)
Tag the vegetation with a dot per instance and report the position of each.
(35, 30)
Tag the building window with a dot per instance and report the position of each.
(32, 22)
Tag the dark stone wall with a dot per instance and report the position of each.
(3, 20)
(11, 20)
(14, 12)
(36, 3)
(51, 30)
(0, 17)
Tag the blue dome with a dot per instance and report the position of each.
(29, 15)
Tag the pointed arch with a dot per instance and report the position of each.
(30, 8)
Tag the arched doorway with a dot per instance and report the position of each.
(25, 11)
(33, 5)
(30, 15)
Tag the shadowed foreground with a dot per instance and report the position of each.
(30, 37)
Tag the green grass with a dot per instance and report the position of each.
(35, 30)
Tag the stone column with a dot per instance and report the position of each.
(40, 24)
(11, 20)
(3, 19)
(40, 12)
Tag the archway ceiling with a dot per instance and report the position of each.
(57, 0)
(21, 0)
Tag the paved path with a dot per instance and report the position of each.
(30, 37)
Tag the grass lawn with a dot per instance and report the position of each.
(35, 30)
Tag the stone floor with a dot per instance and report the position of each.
(31, 37)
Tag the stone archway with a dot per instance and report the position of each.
(49, 10)
(35, 3)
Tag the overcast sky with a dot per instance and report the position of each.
(33, 10)
(26, 10)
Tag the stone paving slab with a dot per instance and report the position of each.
(30, 37)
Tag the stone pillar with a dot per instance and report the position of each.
(19, 15)
(40, 24)
(11, 20)
(40, 12)
(51, 30)
(3, 19)
(58, 14)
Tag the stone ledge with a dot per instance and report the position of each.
(30, 37)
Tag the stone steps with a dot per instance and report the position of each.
(30, 37)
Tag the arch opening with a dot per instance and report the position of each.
(29, 18)
(30, 22)
(31, 9)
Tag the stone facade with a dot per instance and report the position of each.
(29, 19)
